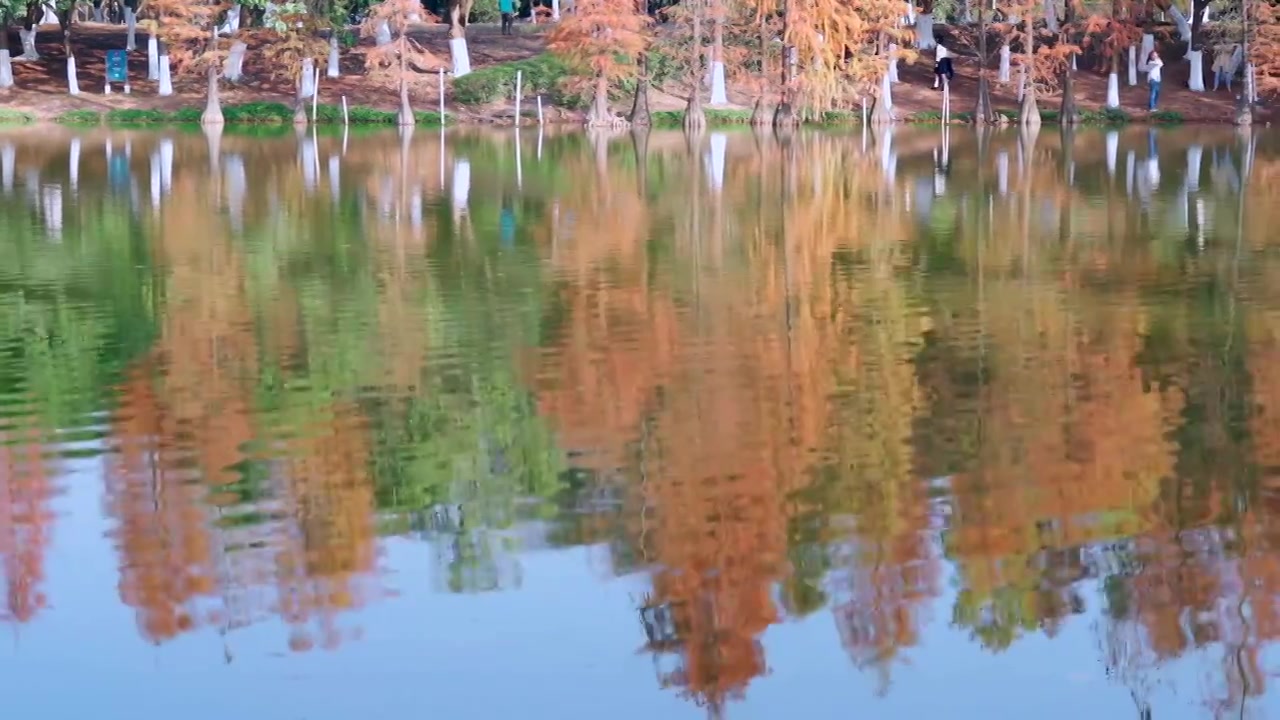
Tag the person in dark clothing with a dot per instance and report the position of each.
(508, 10)
(943, 66)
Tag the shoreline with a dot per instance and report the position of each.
(277, 114)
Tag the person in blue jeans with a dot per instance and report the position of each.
(1154, 64)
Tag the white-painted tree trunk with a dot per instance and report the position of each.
(307, 84)
(131, 29)
(382, 34)
(460, 57)
(50, 16)
(232, 23)
(1144, 50)
(715, 160)
(28, 38)
(1133, 66)
(555, 10)
(1113, 90)
(6, 68)
(334, 70)
(911, 12)
(718, 94)
(153, 57)
(893, 63)
(233, 68)
(1179, 19)
(1005, 54)
(924, 32)
(1195, 82)
(1022, 82)
(1051, 15)
(166, 77)
(886, 92)
(1113, 148)
(73, 81)
(1073, 63)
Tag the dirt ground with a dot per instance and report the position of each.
(41, 86)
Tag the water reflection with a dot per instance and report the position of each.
(999, 386)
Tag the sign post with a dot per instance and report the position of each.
(117, 69)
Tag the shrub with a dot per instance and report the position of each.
(257, 112)
(1167, 117)
(839, 117)
(542, 75)
(80, 117)
(1107, 116)
(135, 116)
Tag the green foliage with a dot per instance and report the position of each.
(15, 116)
(80, 117)
(484, 11)
(258, 112)
(673, 118)
(1107, 116)
(838, 117)
(542, 75)
(935, 116)
(1167, 117)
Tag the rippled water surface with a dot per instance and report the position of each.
(490, 426)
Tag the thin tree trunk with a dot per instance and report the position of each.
(6, 66)
(73, 80)
(694, 119)
(759, 115)
(784, 116)
(719, 95)
(982, 113)
(640, 116)
(1067, 114)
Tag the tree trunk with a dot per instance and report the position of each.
(1067, 114)
(694, 119)
(924, 27)
(458, 11)
(1113, 82)
(718, 93)
(640, 116)
(334, 69)
(599, 115)
(759, 115)
(153, 55)
(166, 75)
(982, 112)
(212, 107)
(784, 116)
(1029, 113)
(1195, 53)
(6, 66)
(73, 80)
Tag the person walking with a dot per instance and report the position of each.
(942, 66)
(1154, 64)
(508, 10)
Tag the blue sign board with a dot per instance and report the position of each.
(117, 66)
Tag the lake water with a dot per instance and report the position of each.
(484, 425)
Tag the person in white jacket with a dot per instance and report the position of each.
(1154, 64)
(942, 66)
